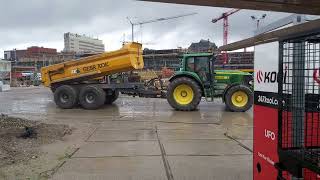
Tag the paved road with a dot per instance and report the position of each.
(139, 138)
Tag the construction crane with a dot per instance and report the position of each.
(225, 17)
(133, 24)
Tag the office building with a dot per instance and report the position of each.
(82, 44)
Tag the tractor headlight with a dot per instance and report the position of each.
(250, 82)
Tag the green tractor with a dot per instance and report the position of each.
(198, 78)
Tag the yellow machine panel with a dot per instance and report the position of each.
(128, 58)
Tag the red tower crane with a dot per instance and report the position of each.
(225, 18)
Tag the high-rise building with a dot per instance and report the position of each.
(82, 44)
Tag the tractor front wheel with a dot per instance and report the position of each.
(239, 98)
(184, 94)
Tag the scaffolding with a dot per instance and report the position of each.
(157, 59)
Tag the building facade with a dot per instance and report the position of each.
(158, 59)
(236, 61)
(82, 44)
(202, 46)
(14, 55)
(33, 51)
(36, 57)
(170, 58)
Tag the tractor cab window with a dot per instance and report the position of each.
(190, 64)
(199, 65)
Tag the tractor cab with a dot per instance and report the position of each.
(201, 65)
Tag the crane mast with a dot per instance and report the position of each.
(225, 18)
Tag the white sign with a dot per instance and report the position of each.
(266, 67)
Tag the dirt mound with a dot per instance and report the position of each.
(20, 139)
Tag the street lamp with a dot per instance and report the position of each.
(258, 19)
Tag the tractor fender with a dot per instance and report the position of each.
(191, 75)
(227, 89)
(188, 75)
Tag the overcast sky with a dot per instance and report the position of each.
(43, 22)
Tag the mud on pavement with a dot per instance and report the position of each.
(21, 139)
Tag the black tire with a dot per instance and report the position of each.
(53, 88)
(92, 97)
(240, 108)
(197, 94)
(111, 98)
(66, 96)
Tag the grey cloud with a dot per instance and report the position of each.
(46, 13)
(35, 21)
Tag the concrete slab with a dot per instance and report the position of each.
(113, 168)
(190, 117)
(241, 132)
(203, 147)
(131, 148)
(123, 135)
(185, 134)
(247, 143)
(237, 167)
(238, 125)
(80, 119)
(190, 126)
(171, 116)
(126, 125)
(137, 117)
(125, 146)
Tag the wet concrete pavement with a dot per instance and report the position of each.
(138, 138)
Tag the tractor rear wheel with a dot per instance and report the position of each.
(92, 97)
(66, 96)
(112, 97)
(184, 94)
(239, 98)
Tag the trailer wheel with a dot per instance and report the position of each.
(66, 96)
(184, 94)
(111, 98)
(239, 98)
(92, 97)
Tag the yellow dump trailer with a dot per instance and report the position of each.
(74, 82)
(126, 59)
